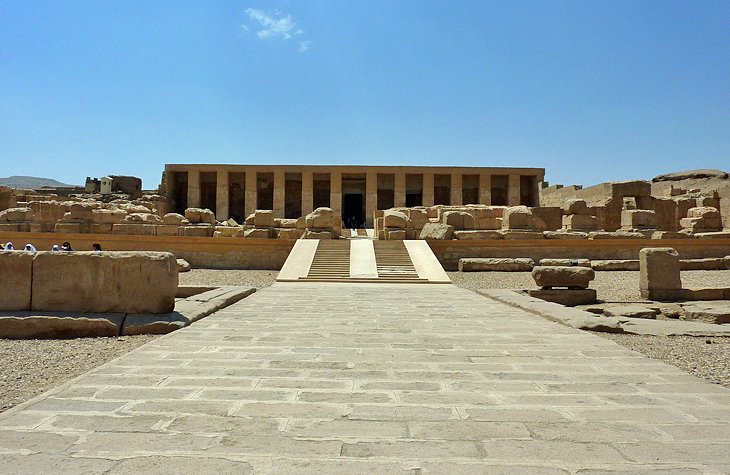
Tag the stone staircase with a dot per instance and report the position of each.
(394, 263)
(330, 262)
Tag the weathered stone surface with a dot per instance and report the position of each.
(630, 311)
(559, 276)
(84, 210)
(708, 263)
(15, 280)
(146, 218)
(436, 231)
(108, 216)
(153, 324)
(472, 235)
(458, 219)
(257, 233)
(709, 312)
(515, 234)
(183, 265)
(285, 223)
(318, 234)
(289, 233)
(659, 276)
(575, 206)
(195, 231)
(638, 218)
(199, 215)
(137, 229)
(580, 222)
(418, 217)
(174, 218)
(669, 235)
(15, 215)
(395, 234)
(615, 235)
(501, 264)
(394, 219)
(320, 218)
(126, 282)
(615, 264)
(522, 217)
(565, 235)
(263, 218)
(565, 262)
(567, 297)
(552, 216)
(30, 326)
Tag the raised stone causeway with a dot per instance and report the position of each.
(378, 378)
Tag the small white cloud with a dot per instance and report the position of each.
(274, 24)
(304, 46)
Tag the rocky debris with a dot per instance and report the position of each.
(199, 215)
(564, 234)
(701, 219)
(615, 235)
(436, 231)
(630, 311)
(575, 277)
(708, 312)
(565, 262)
(615, 264)
(659, 277)
(257, 233)
(460, 220)
(503, 264)
(174, 218)
(477, 235)
(183, 265)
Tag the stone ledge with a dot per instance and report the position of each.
(582, 320)
(32, 325)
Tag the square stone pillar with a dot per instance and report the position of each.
(371, 197)
(193, 189)
(399, 191)
(251, 193)
(456, 195)
(428, 189)
(659, 274)
(222, 211)
(485, 189)
(279, 193)
(513, 191)
(307, 192)
(336, 193)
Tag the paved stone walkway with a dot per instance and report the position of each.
(348, 378)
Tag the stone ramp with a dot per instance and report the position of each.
(362, 261)
(393, 378)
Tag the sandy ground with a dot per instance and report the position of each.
(30, 367)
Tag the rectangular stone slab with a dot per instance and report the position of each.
(15, 280)
(124, 282)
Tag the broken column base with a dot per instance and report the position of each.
(567, 297)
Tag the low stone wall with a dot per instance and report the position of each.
(219, 252)
(100, 282)
(449, 252)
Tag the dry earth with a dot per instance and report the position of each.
(30, 367)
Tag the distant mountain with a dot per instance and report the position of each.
(29, 182)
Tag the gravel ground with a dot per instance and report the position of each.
(213, 277)
(31, 367)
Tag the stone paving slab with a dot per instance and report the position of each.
(353, 378)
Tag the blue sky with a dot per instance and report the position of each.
(590, 90)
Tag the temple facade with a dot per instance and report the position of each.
(354, 192)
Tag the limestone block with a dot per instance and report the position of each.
(15, 280)
(289, 233)
(458, 219)
(134, 229)
(669, 235)
(551, 215)
(497, 264)
(488, 223)
(615, 235)
(166, 230)
(522, 217)
(521, 234)
(638, 219)
(195, 231)
(183, 265)
(472, 235)
(704, 212)
(318, 234)
(47, 212)
(395, 234)
(102, 228)
(84, 210)
(659, 273)
(576, 277)
(580, 222)
(108, 216)
(285, 223)
(301, 223)
(174, 218)
(60, 325)
(727, 262)
(153, 324)
(320, 218)
(143, 218)
(707, 263)
(263, 218)
(11, 227)
(67, 227)
(436, 231)
(615, 264)
(630, 311)
(565, 262)
(16, 215)
(199, 215)
(708, 312)
(713, 235)
(565, 234)
(394, 219)
(566, 297)
(126, 282)
(250, 219)
(418, 217)
(225, 231)
(575, 206)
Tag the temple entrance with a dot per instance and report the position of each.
(353, 200)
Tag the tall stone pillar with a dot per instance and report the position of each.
(251, 192)
(399, 192)
(485, 189)
(307, 192)
(222, 211)
(336, 193)
(371, 197)
(193, 189)
(428, 189)
(513, 190)
(279, 193)
(456, 195)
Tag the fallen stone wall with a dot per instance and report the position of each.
(100, 282)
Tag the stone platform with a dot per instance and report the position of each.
(378, 378)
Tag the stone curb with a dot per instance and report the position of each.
(583, 320)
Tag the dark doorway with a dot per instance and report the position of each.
(353, 210)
